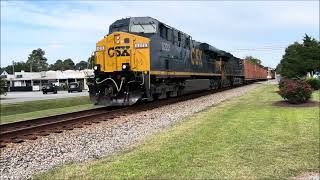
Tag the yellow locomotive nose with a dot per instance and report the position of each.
(121, 51)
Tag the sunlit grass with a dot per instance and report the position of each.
(42, 108)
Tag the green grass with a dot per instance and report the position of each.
(42, 108)
(243, 138)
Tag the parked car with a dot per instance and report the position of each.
(74, 86)
(49, 88)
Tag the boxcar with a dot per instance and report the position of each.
(254, 72)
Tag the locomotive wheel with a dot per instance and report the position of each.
(173, 93)
(163, 94)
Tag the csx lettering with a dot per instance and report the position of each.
(196, 57)
(118, 51)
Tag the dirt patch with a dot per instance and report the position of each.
(287, 104)
(308, 176)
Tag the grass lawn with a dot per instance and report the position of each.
(246, 137)
(42, 108)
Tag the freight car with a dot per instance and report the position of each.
(254, 72)
(144, 59)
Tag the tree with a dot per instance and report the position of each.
(57, 66)
(299, 59)
(82, 65)
(253, 60)
(37, 61)
(8, 69)
(17, 66)
(3, 86)
(91, 62)
(60, 65)
(68, 64)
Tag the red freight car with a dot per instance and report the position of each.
(253, 72)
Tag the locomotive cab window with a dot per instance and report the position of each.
(119, 27)
(143, 28)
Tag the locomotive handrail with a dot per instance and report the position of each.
(142, 80)
(118, 88)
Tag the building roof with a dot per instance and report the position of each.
(46, 75)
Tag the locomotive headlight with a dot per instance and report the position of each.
(95, 67)
(125, 67)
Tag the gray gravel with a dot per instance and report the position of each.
(21, 161)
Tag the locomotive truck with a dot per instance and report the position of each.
(144, 59)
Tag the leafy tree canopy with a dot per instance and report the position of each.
(58, 65)
(3, 86)
(17, 66)
(37, 60)
(61, 65)
(91, 62)
(68, 64)
(82, 65)
(299, 59)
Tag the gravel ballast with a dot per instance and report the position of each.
(21, 161)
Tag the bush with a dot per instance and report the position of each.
(295, 91)
(314, 83)
(3, 86)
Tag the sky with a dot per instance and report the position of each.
(70, 29)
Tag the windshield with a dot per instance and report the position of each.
(143, 28)
(119, 29)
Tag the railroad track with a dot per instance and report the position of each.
(21, 131)
(31, 129)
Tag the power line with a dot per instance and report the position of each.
(275, 48)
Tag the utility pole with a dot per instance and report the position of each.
(13, 67)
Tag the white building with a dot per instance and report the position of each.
(37, 79)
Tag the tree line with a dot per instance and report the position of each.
(37, 62)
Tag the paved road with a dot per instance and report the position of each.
(14, 97)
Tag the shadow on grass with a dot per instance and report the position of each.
(284, 103)
(5, 98)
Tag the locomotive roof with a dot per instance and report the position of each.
(146, 20)
(208, 47)
(141, 20)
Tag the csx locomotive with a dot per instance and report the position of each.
(144, 59)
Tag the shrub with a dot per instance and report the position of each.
(295, 91)
(314, 83)
(283, 82)
(3, 86)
